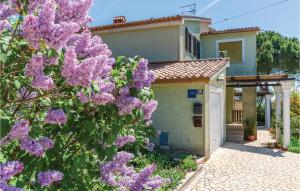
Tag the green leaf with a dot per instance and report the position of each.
(95, 87)
(3, 57)
(17, 84)
(46, 101)
(5, 127)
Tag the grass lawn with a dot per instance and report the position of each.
(169, 165)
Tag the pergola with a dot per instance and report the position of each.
(282, 85)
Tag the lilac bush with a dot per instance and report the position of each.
(66, 103)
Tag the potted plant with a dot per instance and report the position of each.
(250, 130)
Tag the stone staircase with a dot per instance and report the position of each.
(235, 133)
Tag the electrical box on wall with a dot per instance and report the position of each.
(197, 108)
(197, 121)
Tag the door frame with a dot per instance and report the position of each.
(219, 91)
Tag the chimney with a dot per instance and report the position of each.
(119, 20)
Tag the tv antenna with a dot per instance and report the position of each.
(192, 9)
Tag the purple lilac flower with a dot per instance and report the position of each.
(122, 157)
(49, 177)
(121, 141)
(43, 27)
(125, 102)
(148, 108)
(4, 24)
(83, 98)
(116, 173)
(75, 11)
(6, 10)
(142, 177)
(46, 143)
(142, 77)
(20, 130)
(88, 46)
(10, 169)
(78, 74)
(156, 182)
(5, 187)
(149, 145)
(32, 146)
(82, 73)
(102, 98)
(118, 166)
(56, 116)
(43, 82)
(34, 5)
(30, 30)
(35, 66)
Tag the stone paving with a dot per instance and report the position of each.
(249, 167)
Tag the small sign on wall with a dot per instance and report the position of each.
(192, 93)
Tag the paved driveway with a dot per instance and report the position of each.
(249, 167)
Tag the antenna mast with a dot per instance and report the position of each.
(192, 9)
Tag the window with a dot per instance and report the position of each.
(233, 50)
(192, 44)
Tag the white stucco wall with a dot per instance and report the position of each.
(154, 44)
(248, 67)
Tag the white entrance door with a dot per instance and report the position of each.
(215, 119)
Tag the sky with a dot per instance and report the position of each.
(283, 18)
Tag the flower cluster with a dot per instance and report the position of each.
(49, 177)
(149, 145)
(44, 27)
(125, 102)
(6, 10)
(116, 173)
(6, 187)
(142, 77)
(75, 11)
(148, 108)
(56, 116)
(121, 141)
(10, 169)
(35, 147)
(35, 68)
(20, 130)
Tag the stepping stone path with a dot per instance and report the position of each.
(249, 167)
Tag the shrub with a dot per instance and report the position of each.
(65, 101)
(189, 164)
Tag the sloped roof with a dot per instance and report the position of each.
(146, 22)
(234, 30)
(190, 70)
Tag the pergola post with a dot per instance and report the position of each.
(278, 95)
(268, 110)
(286, 92)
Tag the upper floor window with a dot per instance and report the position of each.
(231, 48)
(192, 44)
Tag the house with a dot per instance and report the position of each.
(195, 83)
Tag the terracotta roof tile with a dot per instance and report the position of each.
(235, 30)
(202, 69)
(145, 22)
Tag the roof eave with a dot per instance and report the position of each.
(204, 80)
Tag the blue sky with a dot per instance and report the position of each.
(283, 18)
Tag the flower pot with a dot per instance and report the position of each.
(251, 138)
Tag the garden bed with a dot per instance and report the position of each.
(172, 165)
